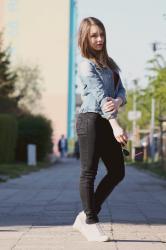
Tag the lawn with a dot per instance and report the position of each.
(155, 168)
(15, 170)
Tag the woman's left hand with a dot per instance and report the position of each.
(112, 104)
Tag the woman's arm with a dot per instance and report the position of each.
(119, 133)
(92, 79)
(120, 92)
(119, 99)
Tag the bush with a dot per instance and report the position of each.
(8, 135)
(34, 130)
(8, 105)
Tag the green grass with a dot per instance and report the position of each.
(18, 169)
(155, 168)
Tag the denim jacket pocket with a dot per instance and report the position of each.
(81, 126)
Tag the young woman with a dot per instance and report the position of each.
(99, 134)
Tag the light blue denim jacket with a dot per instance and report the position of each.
(96, 85)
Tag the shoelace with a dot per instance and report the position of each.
(99, 228)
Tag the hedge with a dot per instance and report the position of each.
(8, 138)
(34, 130)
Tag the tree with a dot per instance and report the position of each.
(8, 79)
(20, 87)
(157, 84)
(7, 76)
(28, 86)
(123, 113)
(156, 89)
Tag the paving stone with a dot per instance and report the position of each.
(38, 211)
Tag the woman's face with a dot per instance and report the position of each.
(96, 38)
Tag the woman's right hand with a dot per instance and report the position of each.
(112, 105)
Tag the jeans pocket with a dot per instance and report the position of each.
(81, 126)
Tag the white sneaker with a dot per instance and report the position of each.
(80, 219)
(94, 232)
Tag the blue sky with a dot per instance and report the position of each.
(131, 27)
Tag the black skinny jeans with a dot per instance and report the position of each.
(96, 140)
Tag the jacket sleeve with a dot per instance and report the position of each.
(90, 77)
(120, 92)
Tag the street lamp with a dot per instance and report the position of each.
(135, 81)
(158, 46)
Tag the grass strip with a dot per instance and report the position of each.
(155, 167)
(17, 169)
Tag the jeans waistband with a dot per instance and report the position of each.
(91, 115)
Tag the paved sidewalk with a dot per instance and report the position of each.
(37, 211)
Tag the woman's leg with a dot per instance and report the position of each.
(87, 131)
(112, 156)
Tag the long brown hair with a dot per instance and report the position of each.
(86, 51)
